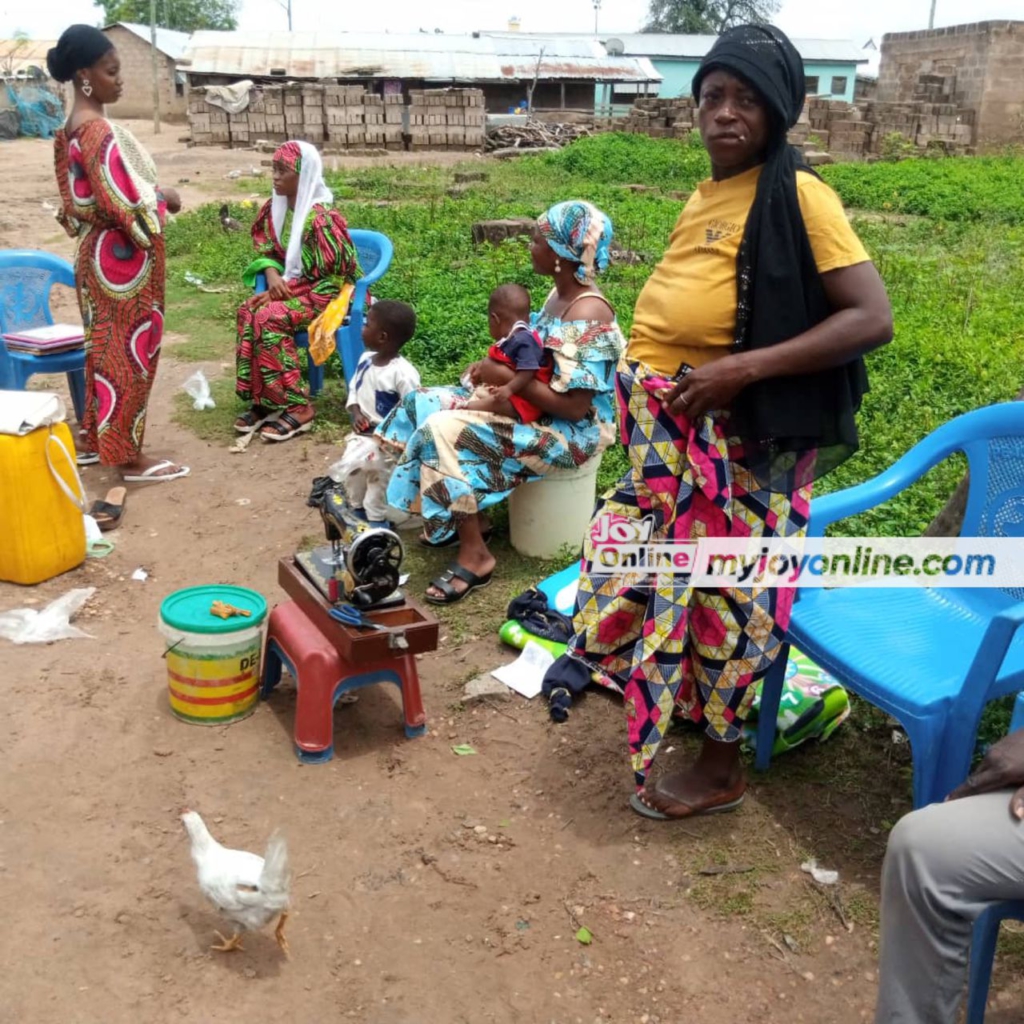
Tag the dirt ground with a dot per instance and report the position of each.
(429, 887)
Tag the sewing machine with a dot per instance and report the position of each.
(361, 564)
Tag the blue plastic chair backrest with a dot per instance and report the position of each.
(26, 277)
(374, 251)
(995, 503)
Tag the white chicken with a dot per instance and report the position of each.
(247, 889)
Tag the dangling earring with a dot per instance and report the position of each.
(86, 88)
(558, 265)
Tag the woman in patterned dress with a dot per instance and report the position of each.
(112, 206)
(739, 386)
(305, 270)
(454, 463)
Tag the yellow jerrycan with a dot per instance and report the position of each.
(42, 529)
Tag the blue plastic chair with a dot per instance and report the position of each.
(26, 277)
(986, 928)
(931, 658)
(375, 251)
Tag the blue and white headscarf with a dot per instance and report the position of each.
(578, 231)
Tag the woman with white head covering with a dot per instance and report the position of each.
(305, 264)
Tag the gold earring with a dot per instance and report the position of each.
(86, 88)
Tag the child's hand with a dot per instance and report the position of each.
(172, 199)
(359, 421)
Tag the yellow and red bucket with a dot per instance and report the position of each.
(213, 663)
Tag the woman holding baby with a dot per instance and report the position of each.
(458, 456)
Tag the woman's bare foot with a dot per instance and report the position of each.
(297, 419)
(473, 555)
(715, 779)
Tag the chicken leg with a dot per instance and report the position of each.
(227, 945)
(279, 933)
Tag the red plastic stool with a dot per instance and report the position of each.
(322, 675)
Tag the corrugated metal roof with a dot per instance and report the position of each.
(431, 57)
(170, 43)
(667, 44)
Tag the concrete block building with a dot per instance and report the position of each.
(136, 51)
(978, 67)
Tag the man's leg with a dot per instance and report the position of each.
(944, 865)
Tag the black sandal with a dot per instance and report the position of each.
(252, 420)
(108, 513)
(284, 428)
(444, 584)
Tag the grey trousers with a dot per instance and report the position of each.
(944, 864)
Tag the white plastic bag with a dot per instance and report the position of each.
(198, 389)
(28, 626)
(362, 454)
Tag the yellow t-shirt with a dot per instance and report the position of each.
(686, 311)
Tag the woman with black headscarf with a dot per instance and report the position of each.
(113, 207)
(739, 387)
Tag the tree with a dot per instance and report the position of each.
(707, 16)
(181, 15)
(12, 52)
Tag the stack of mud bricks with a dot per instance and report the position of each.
(928, 125)
(209, 124)
(840, 127)
(661, 118)
(304, 113)
(446, 118)
(265, 117)
(394, 121)
(343, 114)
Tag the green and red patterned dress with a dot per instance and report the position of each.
(268, 374)
(119, 276)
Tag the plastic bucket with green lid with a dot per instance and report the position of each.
(213, 664)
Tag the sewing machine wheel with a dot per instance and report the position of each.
(374, 559)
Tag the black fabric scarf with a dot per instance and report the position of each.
(779, 289)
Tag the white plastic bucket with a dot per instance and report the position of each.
(548, 514)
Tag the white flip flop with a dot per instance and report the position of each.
(153, 475)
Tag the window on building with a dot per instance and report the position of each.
(179, 89)
(838, 85)
(811, 85)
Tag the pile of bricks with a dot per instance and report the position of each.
(661, 118)
(265, 116)
(340, 117)
(304, 113)
(209, 124)
(343, 116)
(861, 130)
(446, 118)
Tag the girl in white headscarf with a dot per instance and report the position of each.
(305, 266)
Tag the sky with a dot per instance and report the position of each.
(857, 20)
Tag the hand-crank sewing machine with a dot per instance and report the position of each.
(347, 624)
(362, 563)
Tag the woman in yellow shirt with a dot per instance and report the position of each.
(739, 387)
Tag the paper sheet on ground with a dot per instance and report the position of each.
(525, 675)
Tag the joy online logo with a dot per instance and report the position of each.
(613, 529)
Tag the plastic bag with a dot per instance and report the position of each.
(362, 454)
(198, 389)
(28, 626)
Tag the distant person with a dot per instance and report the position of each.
(739, 386)
(304, 249)
(518, 346)
(944, 865)
(111, 204)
